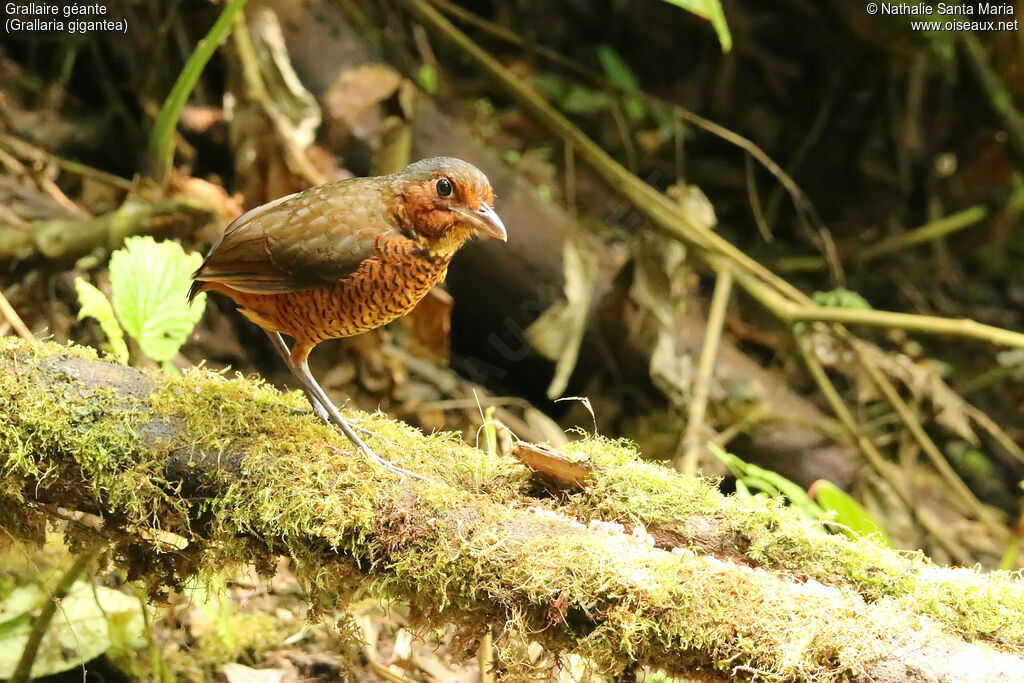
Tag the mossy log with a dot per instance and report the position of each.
(180, 476)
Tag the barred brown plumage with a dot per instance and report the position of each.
(344, 258)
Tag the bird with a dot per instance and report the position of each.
(346, 257)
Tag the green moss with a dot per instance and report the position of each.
(971, 603)
(467, 549)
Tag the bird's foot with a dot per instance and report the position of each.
(390, 466)
(368, 452)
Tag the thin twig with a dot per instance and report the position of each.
(687, 462)
(997, 433)
(791, 313)
(755, 200)
(485, 658)
(998, 96)
(928, 232)
(945, 470)
(45, 185)
(878, 463)
(41, 623)
(27, 150)
(952, 327)
(12, 317)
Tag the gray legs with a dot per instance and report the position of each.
(325, 408)
(286, 355)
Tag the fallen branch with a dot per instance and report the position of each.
(71, 238)
(187, 475)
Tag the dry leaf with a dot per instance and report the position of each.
(238, 673)
(558, 332)
(352, 99)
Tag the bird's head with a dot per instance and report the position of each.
(447, 200)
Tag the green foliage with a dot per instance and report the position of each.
(712, 11)
(841, 298)
(854, 519)
(833, 504)
(160, 151)
(427, 78)
(92, 620)
(622, 77)
(149, 282)
(96, 305)
(765, 482)
(211, 596)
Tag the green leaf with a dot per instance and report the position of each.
(79, 632)
(96, 305)
(841, 298)
(427, 77)
(755, 482)
(751, 476)
(794, 492)
(150, 283)
(579, 99)
(737, 466)
(712, 11)
(622, 77)
(856, 520)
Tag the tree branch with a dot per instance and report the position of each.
(187, 474)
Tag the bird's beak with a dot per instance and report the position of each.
(486, 222)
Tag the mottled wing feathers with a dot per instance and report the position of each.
(305, 240)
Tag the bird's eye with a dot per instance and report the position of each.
(444, 187)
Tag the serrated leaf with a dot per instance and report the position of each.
(79, 632)
(854, 517)
(713, 12)
(150, 283)
(96, 305)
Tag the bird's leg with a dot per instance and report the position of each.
(323, 406)
(286, 355)
(303, 374)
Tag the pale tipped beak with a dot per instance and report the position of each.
(486, 222)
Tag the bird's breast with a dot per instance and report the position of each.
(386, 286)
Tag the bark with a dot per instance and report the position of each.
(182, 474)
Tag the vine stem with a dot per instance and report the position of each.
(160, 151)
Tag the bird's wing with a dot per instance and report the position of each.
(308, 239)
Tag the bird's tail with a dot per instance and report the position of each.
(197, 286)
